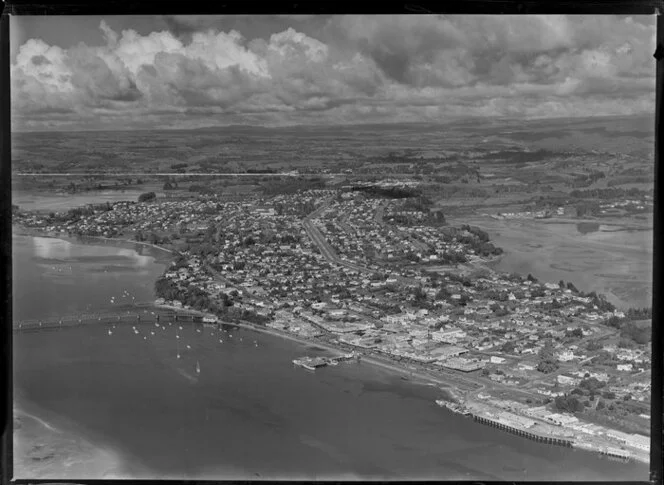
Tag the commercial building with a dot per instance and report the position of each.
(447, 351)
(464, 365)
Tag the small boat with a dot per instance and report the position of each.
(198, 368)
(110, 333)
(189, 346)
(178, 356)
(151, 333)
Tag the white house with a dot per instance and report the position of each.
(448, 335)
(567, 380)
(566, 356)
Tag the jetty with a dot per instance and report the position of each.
(311, 363)
(454, 407)
(514, 428)
(133, 316)
(346, 357)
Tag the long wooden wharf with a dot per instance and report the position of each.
(522, 432)
(127, 317)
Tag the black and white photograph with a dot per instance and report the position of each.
(332, 247)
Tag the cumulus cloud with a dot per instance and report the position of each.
(351, 69)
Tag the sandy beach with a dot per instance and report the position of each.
(45, 451)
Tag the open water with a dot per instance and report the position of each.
(248, 413)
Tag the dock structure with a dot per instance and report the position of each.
(345, 357)
(101, 318)
(615, 453)
(552, 440)
(311, 363)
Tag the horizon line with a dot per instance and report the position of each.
(341, 125)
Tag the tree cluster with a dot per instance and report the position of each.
(569, 403)
(190, 295)
(201, 189)
(147, 196)
(547, 360)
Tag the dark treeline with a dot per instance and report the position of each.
(449, 191)
(634, 179)
(147, 196)
(609, 193)
(389, 192)
(587, 179)
(291, 185)
(179, 167)
(201, 189)
(190, 295)
(261, 170)
(90, 185)
(629, 329)
(516, 156)
(478, 241)
(77, 213)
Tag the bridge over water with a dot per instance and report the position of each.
(137, 313)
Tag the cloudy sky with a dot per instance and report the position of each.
(120, 72)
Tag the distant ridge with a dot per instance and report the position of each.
(645, 120)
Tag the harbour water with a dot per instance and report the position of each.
(249, 412)
(610, 260)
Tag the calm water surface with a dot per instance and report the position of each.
(615, 262)
(249, 413)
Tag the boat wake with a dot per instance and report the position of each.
(189, 377)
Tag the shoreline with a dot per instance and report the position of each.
(19, 230)
(42, 450)
(416, 375)
(331, 347)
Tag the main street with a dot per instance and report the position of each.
(323, 246)
(326, 250)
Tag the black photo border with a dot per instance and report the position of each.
(169, 7)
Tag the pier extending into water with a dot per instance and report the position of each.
(133, 316)
(522, 432)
